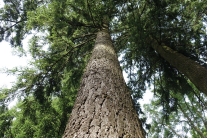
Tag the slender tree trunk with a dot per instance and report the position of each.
(103, 108)
(194, 71)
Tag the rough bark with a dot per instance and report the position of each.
(191, 69)
(103, 108)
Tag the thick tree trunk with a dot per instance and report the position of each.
(194, 71)
(103, 108)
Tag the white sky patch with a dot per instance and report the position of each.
(9, 60)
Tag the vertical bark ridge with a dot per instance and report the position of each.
(191, 69)
(103, 108)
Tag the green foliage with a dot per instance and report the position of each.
(13, 17)
(6, 121)
(31, 121)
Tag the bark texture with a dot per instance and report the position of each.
(191, 69)
(103, 108)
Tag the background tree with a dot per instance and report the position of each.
(175, 27)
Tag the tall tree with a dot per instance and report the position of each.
(103, 107)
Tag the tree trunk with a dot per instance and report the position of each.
(194, 71)
(103, 107)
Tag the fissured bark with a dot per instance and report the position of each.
(103, 108)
